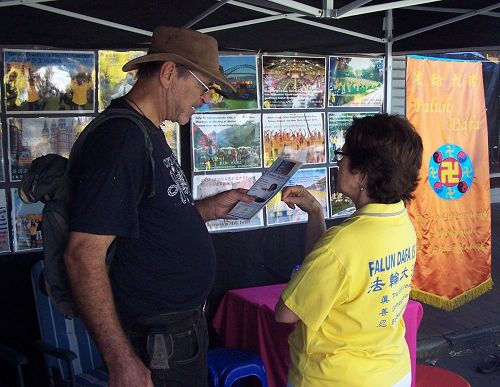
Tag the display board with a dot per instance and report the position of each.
(279, 108)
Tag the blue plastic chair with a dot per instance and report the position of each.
(70, 353)
(233, 364)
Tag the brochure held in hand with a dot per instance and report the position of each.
(268, 185)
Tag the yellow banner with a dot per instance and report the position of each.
(451, 210)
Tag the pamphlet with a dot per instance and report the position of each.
(268, 185)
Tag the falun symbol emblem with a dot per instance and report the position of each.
(450, 172)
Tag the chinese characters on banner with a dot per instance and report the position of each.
(451, 210)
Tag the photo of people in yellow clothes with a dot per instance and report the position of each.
(49, 81)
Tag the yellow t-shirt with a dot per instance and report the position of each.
(350, 294)
(80, 92)
(33, 94)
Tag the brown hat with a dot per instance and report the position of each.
(187, 47)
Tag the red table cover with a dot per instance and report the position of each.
(245, 320)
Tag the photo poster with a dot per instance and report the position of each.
(27, 223)
(2, 173)
(297, 136)
(293, 82)
(241, 70)
(209, 185)
(314, 180)
(49, 81)
(172, 132)
(4, 224)
(340, 205)
(338, 124)
(30, 138)
(269, 184)
(226, 141)
(356, 82)
(113, 82)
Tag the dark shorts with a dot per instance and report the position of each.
(174, 347)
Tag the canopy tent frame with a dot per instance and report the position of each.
(300, 12)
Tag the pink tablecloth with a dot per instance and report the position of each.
(245, 319)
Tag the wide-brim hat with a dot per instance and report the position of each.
(187, 47)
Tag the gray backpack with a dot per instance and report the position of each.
(48, 180)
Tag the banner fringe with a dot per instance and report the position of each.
(447, 304)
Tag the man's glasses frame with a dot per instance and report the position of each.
(339, 155)
(206, 89)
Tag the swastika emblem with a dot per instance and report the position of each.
(450, 172)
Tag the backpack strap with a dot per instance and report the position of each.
(109, 114)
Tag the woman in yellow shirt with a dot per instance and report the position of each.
(351, 290)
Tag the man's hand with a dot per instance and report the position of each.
(217, 206)
(129, 372)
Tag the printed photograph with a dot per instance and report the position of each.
(338, 123)
(27, 223)
(209, 185)
(2, 173)
(296, 136)
(241, 70)
(226, 141)
(172, 132)
(314, 180)
(30, 138)
(356, 82)
(4, 224)
(113, 82)
(293, 82)
(340, 205)
(49, 81)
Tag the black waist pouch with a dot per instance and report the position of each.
(171, 339)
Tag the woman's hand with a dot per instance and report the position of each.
(298, 196)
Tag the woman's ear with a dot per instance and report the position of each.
(167, 74)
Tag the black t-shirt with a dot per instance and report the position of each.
(164, 259)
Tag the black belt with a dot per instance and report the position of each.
(172, 322)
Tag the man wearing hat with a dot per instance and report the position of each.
(146, 313)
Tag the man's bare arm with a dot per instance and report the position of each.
(85, 263)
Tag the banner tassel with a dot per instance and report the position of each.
(447, 304)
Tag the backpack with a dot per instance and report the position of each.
(49, 181)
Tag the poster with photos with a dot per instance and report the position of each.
(314, 180)
(241, 70)
(338, 123)
(2, 176)
(355, 82)
(49, 81)
(30, 138)
(113, 82)
(172, 132)
(293, 82)
(208, 185)
(226, 141)
(27, 223)
(340, 205)
(297, 136)
(4, 224)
